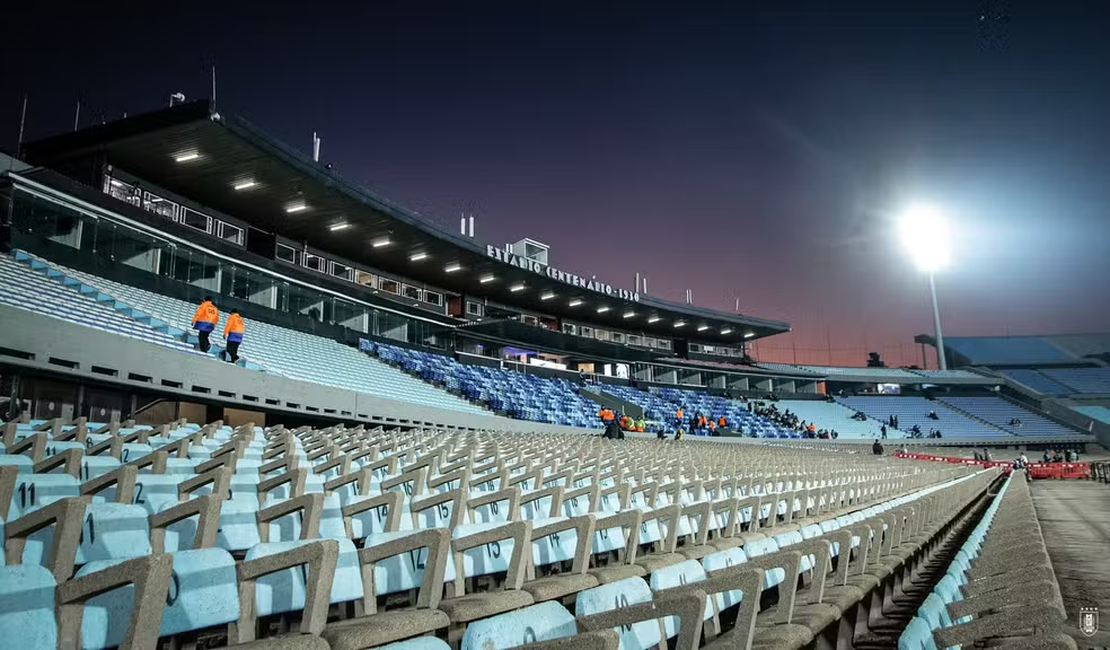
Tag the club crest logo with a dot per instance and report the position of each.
(1088, 620)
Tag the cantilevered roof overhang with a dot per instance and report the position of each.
(222, 161)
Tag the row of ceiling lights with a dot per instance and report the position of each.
(301, 206)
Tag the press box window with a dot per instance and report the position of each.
(570, 328)
(410, 292)
(287, 253)
(314, 262)
(158, 205)
(366, 279)
(194, 219)
(389, 286)
(233, 234)
(474, 309)
(342, 271)
(433, 297)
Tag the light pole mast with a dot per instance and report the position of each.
(942, 362)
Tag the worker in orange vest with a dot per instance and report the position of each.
(722, 422)
(678, 418)
(233, 332)
(204, 320)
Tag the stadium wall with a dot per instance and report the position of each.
(42, 344)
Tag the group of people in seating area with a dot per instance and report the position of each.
(205, 319)
(791, 421)
(616, 423)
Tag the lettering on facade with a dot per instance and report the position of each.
(588, 284)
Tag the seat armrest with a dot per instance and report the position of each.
(124, 479)
(33, 446)
(689, 608)
(519, 531)
(312, 506)
(512, 495)
(1004, 622)
(113, 445)
(69, 458)
(220, 478)
(207, 510)
(670, 514)
(788, 561)
(392, 501)
(67, 516)
(821, 549)
(151, 576)
(296, 478)
(7, 489)
(583, 527)
(156, 460)
(629, 521)
(438, 543)
(321, 557)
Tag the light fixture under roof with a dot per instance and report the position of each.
(629, 314)
(517, 287)
(748, 335)
(296, 207)
(575, 302)
(416, 257)
(654, 319)
(451, 268)
(186, 157)
(547, 296)
(702, 328)
(679, 323)
(339, 226)
(245, 185)
(379, 243)
(602, 310)
(487, 279)
(727, 330)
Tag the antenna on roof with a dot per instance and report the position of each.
(462, 223)
(645, 285)
(315, 147)
(738, 305)
(472, 226)
(637, 282)
(213, 84)
(77, 115)
(22, 120)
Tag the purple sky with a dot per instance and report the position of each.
(759, 155)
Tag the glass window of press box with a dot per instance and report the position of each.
(73, 237)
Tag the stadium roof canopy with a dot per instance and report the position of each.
(204, 154)
(1017, 351)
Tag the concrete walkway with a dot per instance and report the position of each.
(1075, 520)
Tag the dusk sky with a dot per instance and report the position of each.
(759, 151)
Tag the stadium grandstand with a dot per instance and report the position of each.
(407, 450)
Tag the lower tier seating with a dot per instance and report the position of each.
(354, 538)
(1000, 588)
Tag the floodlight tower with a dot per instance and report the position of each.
(925, 235)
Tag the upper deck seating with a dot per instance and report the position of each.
(1001, 413)
(915, 410)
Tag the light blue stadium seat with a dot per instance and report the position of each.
(622, 593)
(535, 623)
(917, 636)
(720, 560)
(676, 575)
(203, 593)
(27, 607)
(284, 591)
(420, 643)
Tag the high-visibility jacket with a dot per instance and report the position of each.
(721, 422)
(624, 422)
(233, 329)
(206, 316)
(701, 420)
(607, 415)
(640, 424)
(678, 414)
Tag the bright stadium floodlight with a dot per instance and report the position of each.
(925, 236)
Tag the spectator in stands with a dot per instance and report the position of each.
(892, 422)
(1015, 422)
(233, 332)
(883, 431)
(1071, 456)
(204, 320)
(916, 431)
(1047, 458)
(933, 415)
(835, 435)
(877, 448)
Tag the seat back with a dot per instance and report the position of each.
(541, 622)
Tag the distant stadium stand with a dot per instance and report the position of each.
(915, 410)
(1000, 412)
(828, 415)
(280, 350)
(1094, 381)
(1003, 351)
(1100, 413)
(1035, 380)
(522, 396)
